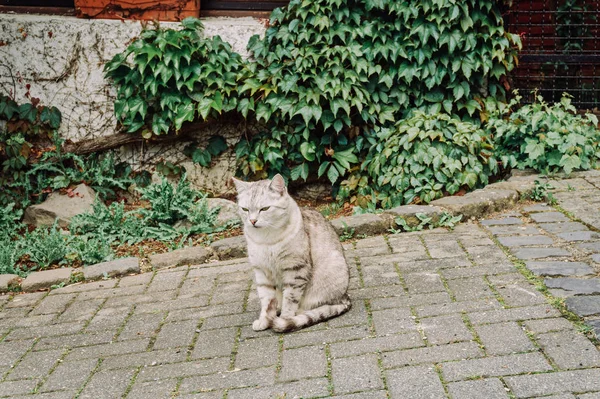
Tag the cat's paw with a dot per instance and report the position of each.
(260, 324)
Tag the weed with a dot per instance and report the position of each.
(46, 246)
(540, 193)
(445, 220)
(348, 233)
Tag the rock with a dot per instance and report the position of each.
(228, 213)
(313, 191)
(46, 279)
(368, 224)
(113, 268)
(409, 212)
(479, 202)
(228, 248)
(539, 253)
(7, 281)
(180, 257)
(61, 207)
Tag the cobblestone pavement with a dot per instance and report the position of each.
(437, 314)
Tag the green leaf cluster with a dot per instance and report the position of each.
(328, 70)
(420, 159)
(167, 77)
(547, 138)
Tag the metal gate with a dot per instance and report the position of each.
(561, 49)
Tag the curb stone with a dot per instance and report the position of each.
(7, 281)
(180, 257)
(113, 268)
(409, 213)
(479, 202)
(229, 248)
(46, 279)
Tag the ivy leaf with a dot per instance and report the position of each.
(137, 105)
(332, 174)
(570, 162)
(204, 107)
(217, 103)
(263, 111)
(345, 158)
(307, 149)
(51, 116)
(8, 107)
(216, 145)
(28, 112)
(185, 113)
(534, 149)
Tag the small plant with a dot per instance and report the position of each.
(348, 233)
(570, 188)
(92, 249)
(540, 193)
(448, 220)
(445, 220)
(46, 246)
(9, 255)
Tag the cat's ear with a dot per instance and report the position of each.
(240, 185)
(278, 184)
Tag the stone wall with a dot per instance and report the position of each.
(60, 59)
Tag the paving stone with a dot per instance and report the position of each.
(415, 382)
(35, 320)
(85, 286)
(555, 269)
(579, 236)
(368, 252)
(539, 253)
(145, 359)
(514, 229)
(446, 249)
(589, 246)
(329, 335)
(487, 256)
(118, 267)
(479, 202)
(239, 379)
(180, 257)
(584, 305)
(13, 388)
(391, 321)
(433, 265)
(81, 310)
(371, 242)
(380, 275)
(166, 281)
(108, 318)
(173, 335)
(355, 316)
(595, 324)
(476, 271)
(46, 279)
(51, 395)
(110, 349)
(495, 366)
(592, 395)
(489, 388)
(409, 300)
(457, 307)
(302, 363)
(12, 351)
(315, 387)
(46, 331)
(8, 281)
(432, 354)
(257, 352)
(53, 304)
(575, 286)
(409, 212)
(563, 227)
(501, 222)
(367, 223)
(521, 294)
(140, 279)
(569, 350)
(228, 248)
(527, 386)
(352, 374)
(378, 344)
(537, 208)
(524, 241)
(152, 389)
(549, 217)
(514, 314)
(185, 369)
(141, 326)
(596, 258)
(107, 384)
(504, 338)
(35, 365)
(214, 343)
(121, 295)
(548, 325)
(423, 283)
(470, 288)
(69, 375)
(26, 300)
(445, 329)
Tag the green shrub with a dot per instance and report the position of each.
(167, 77)
(9, 254)
(327, 71)
(420, 159)
(549, 139)
(45, 246)
(92, 249)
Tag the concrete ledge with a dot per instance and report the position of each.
(113, 268)
(46, 279)
(479, 202)
(232, 247)
(8, 281)
(180, 257)
(368, 224)
(409, 212)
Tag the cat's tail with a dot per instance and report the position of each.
(311, 317)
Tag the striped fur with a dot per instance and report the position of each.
(298, 261)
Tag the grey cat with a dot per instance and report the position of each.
(298, 261)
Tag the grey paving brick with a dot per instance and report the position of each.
(504, 338)
(575, 286)
(548, 325)
(537, 208)
(445, 329)
(107, 384)
(415, 382)
(556, 269)
(563, 227)
(371, 251)
(84, 286)
(239, 379)
(391, 321)
(476, 271)
(495, 366)
(197, 286)
(457, 307)
(584, 305)
(329, 335)
(166, 281)
(13, 388)
(423, 283)
(445, 249)
(380, 275)
(173, 335)
(141, 326)
(185, 369)
(35, 365)
(35, 321)
(70, 394)
(569, 350)
(152, 389)
(371, 242)
(524, 241)
(11, 351)
(539, 253)
(113, 294)
(314, 387)
(46, 331)
(352, 374)
(489, 388)
(432, 354)
(501, 222)
(411, 339)
(591, 395)
(514, 229)
(181, 302)
(355, 316)
(257, 352)
(214, 343)
(242, 319)
(364, 395)
(204, 312)
(306, 362)
(53, 304)
(108, 318)
(589, 247)
(69, 375)
(486, 256)
(202, 395)
(139, 279)
(579, 236)
(432, 265)
(404, 300)
(470, 288)
(527, 386)
(80, 310)
(549, 217)
(153, 358)
(520, 294)
(476, 241)
(128, 300)
(514, 314)
(110, 349)
(28, 300)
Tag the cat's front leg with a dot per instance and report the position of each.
(294, 283)
(265, 288)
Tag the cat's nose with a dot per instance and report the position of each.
(253, 221)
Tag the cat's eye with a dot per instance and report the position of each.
(266, 208)
(245, 209)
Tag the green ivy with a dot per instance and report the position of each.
(167, 77)
(421, 159)
(328, 70)
(547, 138)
